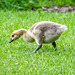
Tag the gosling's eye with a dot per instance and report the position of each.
(12, 35)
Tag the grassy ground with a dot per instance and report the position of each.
(16, 58)
(32, 4)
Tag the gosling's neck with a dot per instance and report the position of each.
(27, 37)
(22, 31)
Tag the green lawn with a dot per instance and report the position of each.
(17, 58)
(33, 4)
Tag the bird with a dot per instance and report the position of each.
(41, 32)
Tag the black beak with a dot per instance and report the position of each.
(11, 40)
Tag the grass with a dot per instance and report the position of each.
(16, 58)
(33, 4)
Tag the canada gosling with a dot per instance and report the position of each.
(41, 32)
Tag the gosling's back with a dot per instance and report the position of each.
(46, 25)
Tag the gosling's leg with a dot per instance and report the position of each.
(38, 38)
(38, 48)
(54, 45)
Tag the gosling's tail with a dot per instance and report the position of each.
(62, 28)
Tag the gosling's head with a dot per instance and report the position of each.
(16, 34)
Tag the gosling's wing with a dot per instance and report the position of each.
(47, 25)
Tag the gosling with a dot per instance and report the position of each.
(41, 32)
